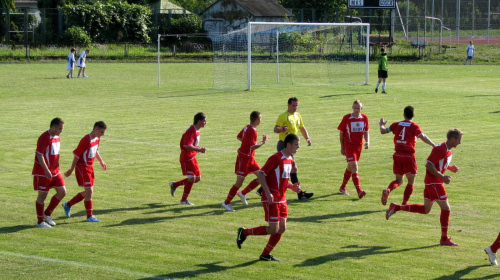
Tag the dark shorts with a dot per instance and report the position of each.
(383, 74)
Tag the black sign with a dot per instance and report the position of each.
(371, 4)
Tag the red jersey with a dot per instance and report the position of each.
(354, 129)
(190, 137)
(441, 158)
(48, 146)
(405, 136)
(277, 170)
(87, 150)
(248, 136)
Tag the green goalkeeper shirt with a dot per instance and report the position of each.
(382, 62)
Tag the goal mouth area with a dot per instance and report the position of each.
(274, 53)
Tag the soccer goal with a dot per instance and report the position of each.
(267, 53)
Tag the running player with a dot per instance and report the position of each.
(404, 161)
(274, 177)
(245, 161)
(353, 128)
(492, 251)
(46, 173)
(83, 165)
(437, 163)
(189, 147)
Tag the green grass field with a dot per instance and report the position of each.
(145, 234)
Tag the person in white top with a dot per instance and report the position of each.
(71, 63)
(81, 63)
(470, 52)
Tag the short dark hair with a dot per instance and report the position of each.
(56, 122)
(254, 116)
(382, 50)
(292, 99)
(73, 49)
(199, 117)
(290, 138)
(100, 124)
(408, 112)
(454, 133)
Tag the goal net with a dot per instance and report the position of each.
(270, 53)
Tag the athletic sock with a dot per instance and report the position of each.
(77, 198)
(383, 86)
(347, 176)
(273, 241)
(294, 178)
(260, 230)
(394, 184)
(378, 83)
(357, 182)
(496, 244)
(251, 186)
(187, 189)
(407, 194)
(88, 208)
(180, 183)
(54, 201)
(39, 212)
(232, 192)
(444, 219)
(415, 208)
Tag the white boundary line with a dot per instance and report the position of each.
(99, 267)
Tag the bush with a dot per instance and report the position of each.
(76, 36)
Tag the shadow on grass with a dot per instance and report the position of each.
(460, 273)
(13, 229)
(338, 95)
(204, 269)
(495, 112)
(361, 251)
(320, 218)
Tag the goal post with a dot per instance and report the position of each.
(302, 53)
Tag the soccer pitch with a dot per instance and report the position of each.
(145, 234)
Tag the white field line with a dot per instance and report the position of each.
(97, 267)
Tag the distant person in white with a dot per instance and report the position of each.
(71, 63)
(470, 52)
(81, 63)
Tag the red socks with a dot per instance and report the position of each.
(52, 205)
(39, 212)
(262, 230)
(187, 189)
(231, 194)
(407, 194)
(415, 208)
(77, 198)
(180, 183)
(394, 184)
(496, 244)
(251, 186)
(356, 181)
(347, 176)
(273, 241)
(88, 208)
(445, 222)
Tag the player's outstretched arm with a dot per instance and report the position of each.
(103, 164)
(426, 140)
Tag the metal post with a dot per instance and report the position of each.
(473, 15)
(488, 28)
(458, 21)
(159, 37)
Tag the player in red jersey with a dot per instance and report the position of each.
(189, 147)
(404, 161)
(492, 251)
(274, 177)
(437, 163)
(46, 173)
(353, 128)
(83, 165)
(245, 161)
